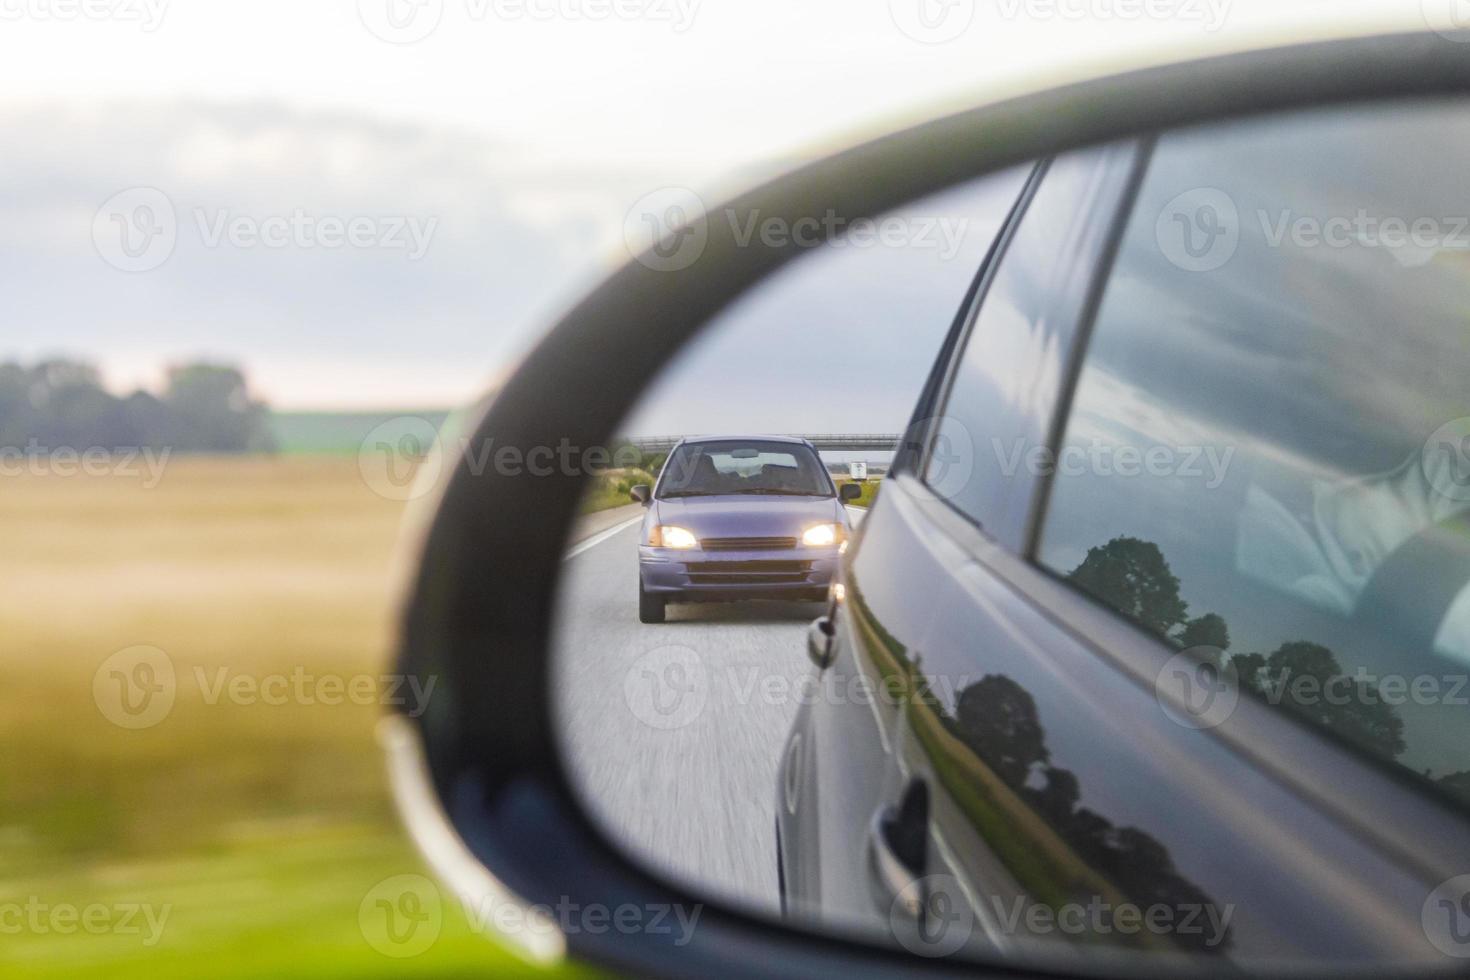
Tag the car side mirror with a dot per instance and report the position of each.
(484, 773)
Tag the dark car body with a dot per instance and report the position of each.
(1015, 751)
(749, 544)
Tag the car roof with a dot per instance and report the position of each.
(793, 440)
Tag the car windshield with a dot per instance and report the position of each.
(702, 469)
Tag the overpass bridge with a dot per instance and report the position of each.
(833, 441)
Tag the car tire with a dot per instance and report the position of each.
(651, 608)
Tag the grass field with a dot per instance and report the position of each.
(260, 828)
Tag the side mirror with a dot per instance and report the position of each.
(487, 774)
(819, 641)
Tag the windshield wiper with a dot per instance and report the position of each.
(782, 493)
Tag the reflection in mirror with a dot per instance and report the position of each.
(676, 702)
(799, 678)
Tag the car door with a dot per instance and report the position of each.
(1099, 747)
(842, 773)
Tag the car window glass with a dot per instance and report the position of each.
(1006, 380)
(1268, 458)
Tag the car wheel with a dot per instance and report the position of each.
(650, 607)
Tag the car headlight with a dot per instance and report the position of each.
(669, 536)
(821, 535)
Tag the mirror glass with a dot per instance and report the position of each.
(1204, 410)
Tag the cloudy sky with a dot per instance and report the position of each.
(378, 202)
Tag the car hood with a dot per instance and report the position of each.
(747, 515)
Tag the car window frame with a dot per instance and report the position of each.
(1017, 526)
(1411, 827)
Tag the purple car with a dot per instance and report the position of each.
(739, 517)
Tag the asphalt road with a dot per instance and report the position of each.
(673, 732)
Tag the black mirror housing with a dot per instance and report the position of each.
(850, 491)
(641, 493)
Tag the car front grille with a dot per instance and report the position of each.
(748, 572)
(747, 544)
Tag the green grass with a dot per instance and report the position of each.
(343, 433)
(870, 490)
(262, 827)
(610, 489)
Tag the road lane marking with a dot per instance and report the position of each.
(599, 537)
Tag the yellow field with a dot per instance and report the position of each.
(260, 826)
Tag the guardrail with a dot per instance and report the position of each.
(834, 441)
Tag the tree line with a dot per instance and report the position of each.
(204, 408)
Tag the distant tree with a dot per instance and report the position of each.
(62, 403)
(215, 411)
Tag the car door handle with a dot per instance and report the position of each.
(898, 839)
